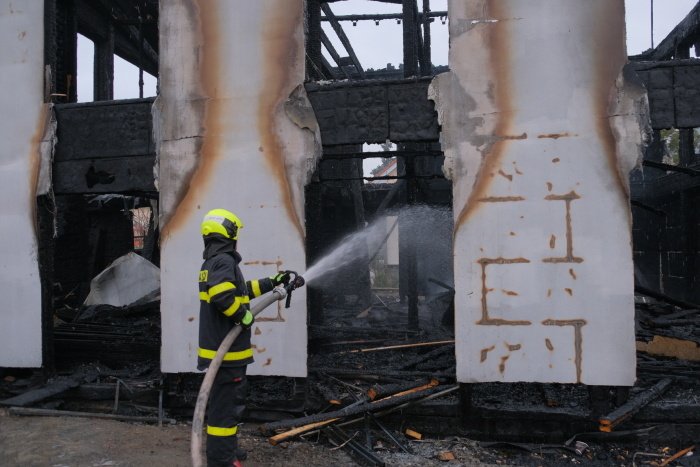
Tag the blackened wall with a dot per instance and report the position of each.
(665, 239)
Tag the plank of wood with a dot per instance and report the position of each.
(627, 410)
(401, 346)
(67, 413)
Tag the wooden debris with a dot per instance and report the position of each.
(67, 413)
(401, 346)
(446, 456)
(362, 454)
(671, 347)
(312, 422)
(664, 297)
(677, 455)
(378, 391)
(427, 356)
(58, 386)
(629, 409)
(413, 434)
(394, 409)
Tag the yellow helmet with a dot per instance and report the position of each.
(222, 222)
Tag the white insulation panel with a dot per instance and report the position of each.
(22, 81)
(540, 131)
(225, 141)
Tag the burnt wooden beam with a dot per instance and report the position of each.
(628, 410)
(671, 168)
(386, 16)
(313, 36)
(128, 39)
(103, 84)
(333, 53)
(410, 250)
(61, 44)
(683, 36)
(58, 386)
(343, 38)
(410, 46)
(426, 58)
(327, 69)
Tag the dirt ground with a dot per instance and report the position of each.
(78, 442)
(63, 442)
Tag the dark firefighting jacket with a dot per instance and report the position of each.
(224, 297)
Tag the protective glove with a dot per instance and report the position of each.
(247, 320)
(281, 277)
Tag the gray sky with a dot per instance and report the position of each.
(378, 45)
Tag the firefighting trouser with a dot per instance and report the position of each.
(224, 413)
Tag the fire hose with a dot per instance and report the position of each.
(278, 293)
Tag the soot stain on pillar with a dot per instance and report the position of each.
(280, 57)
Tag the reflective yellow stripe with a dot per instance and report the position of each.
(203, 296)
(218, 431)
(245, 299)
(219, 288)
(230, 356)
(234, 306)
(256, 288)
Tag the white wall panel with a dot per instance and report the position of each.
(225, 141)
(539, 132)
(21, 101)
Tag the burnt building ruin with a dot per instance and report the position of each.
(512, 209)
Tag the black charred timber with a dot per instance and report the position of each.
(673, 168)
(665, 298)
(315, 235)
(686, 148)
(343, 38)
(647, 207)
(60, 51)
(313, 38)
(45, 218)
(54, 388)
(433, 354)
(389, 434)
(362, 454)
(680, 370)
(103, 85)
(67, 413)
(410, 38)
(426, 66)
(334, 54)
(680, 39)
(387, 16)
(377, 391)
(628, 410)
(362, 332)
(411, 250)
(382, 375)
(365, 292)
(271, 428)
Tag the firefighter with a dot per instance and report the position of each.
(224, 297)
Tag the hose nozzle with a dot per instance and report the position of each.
(294, 283)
